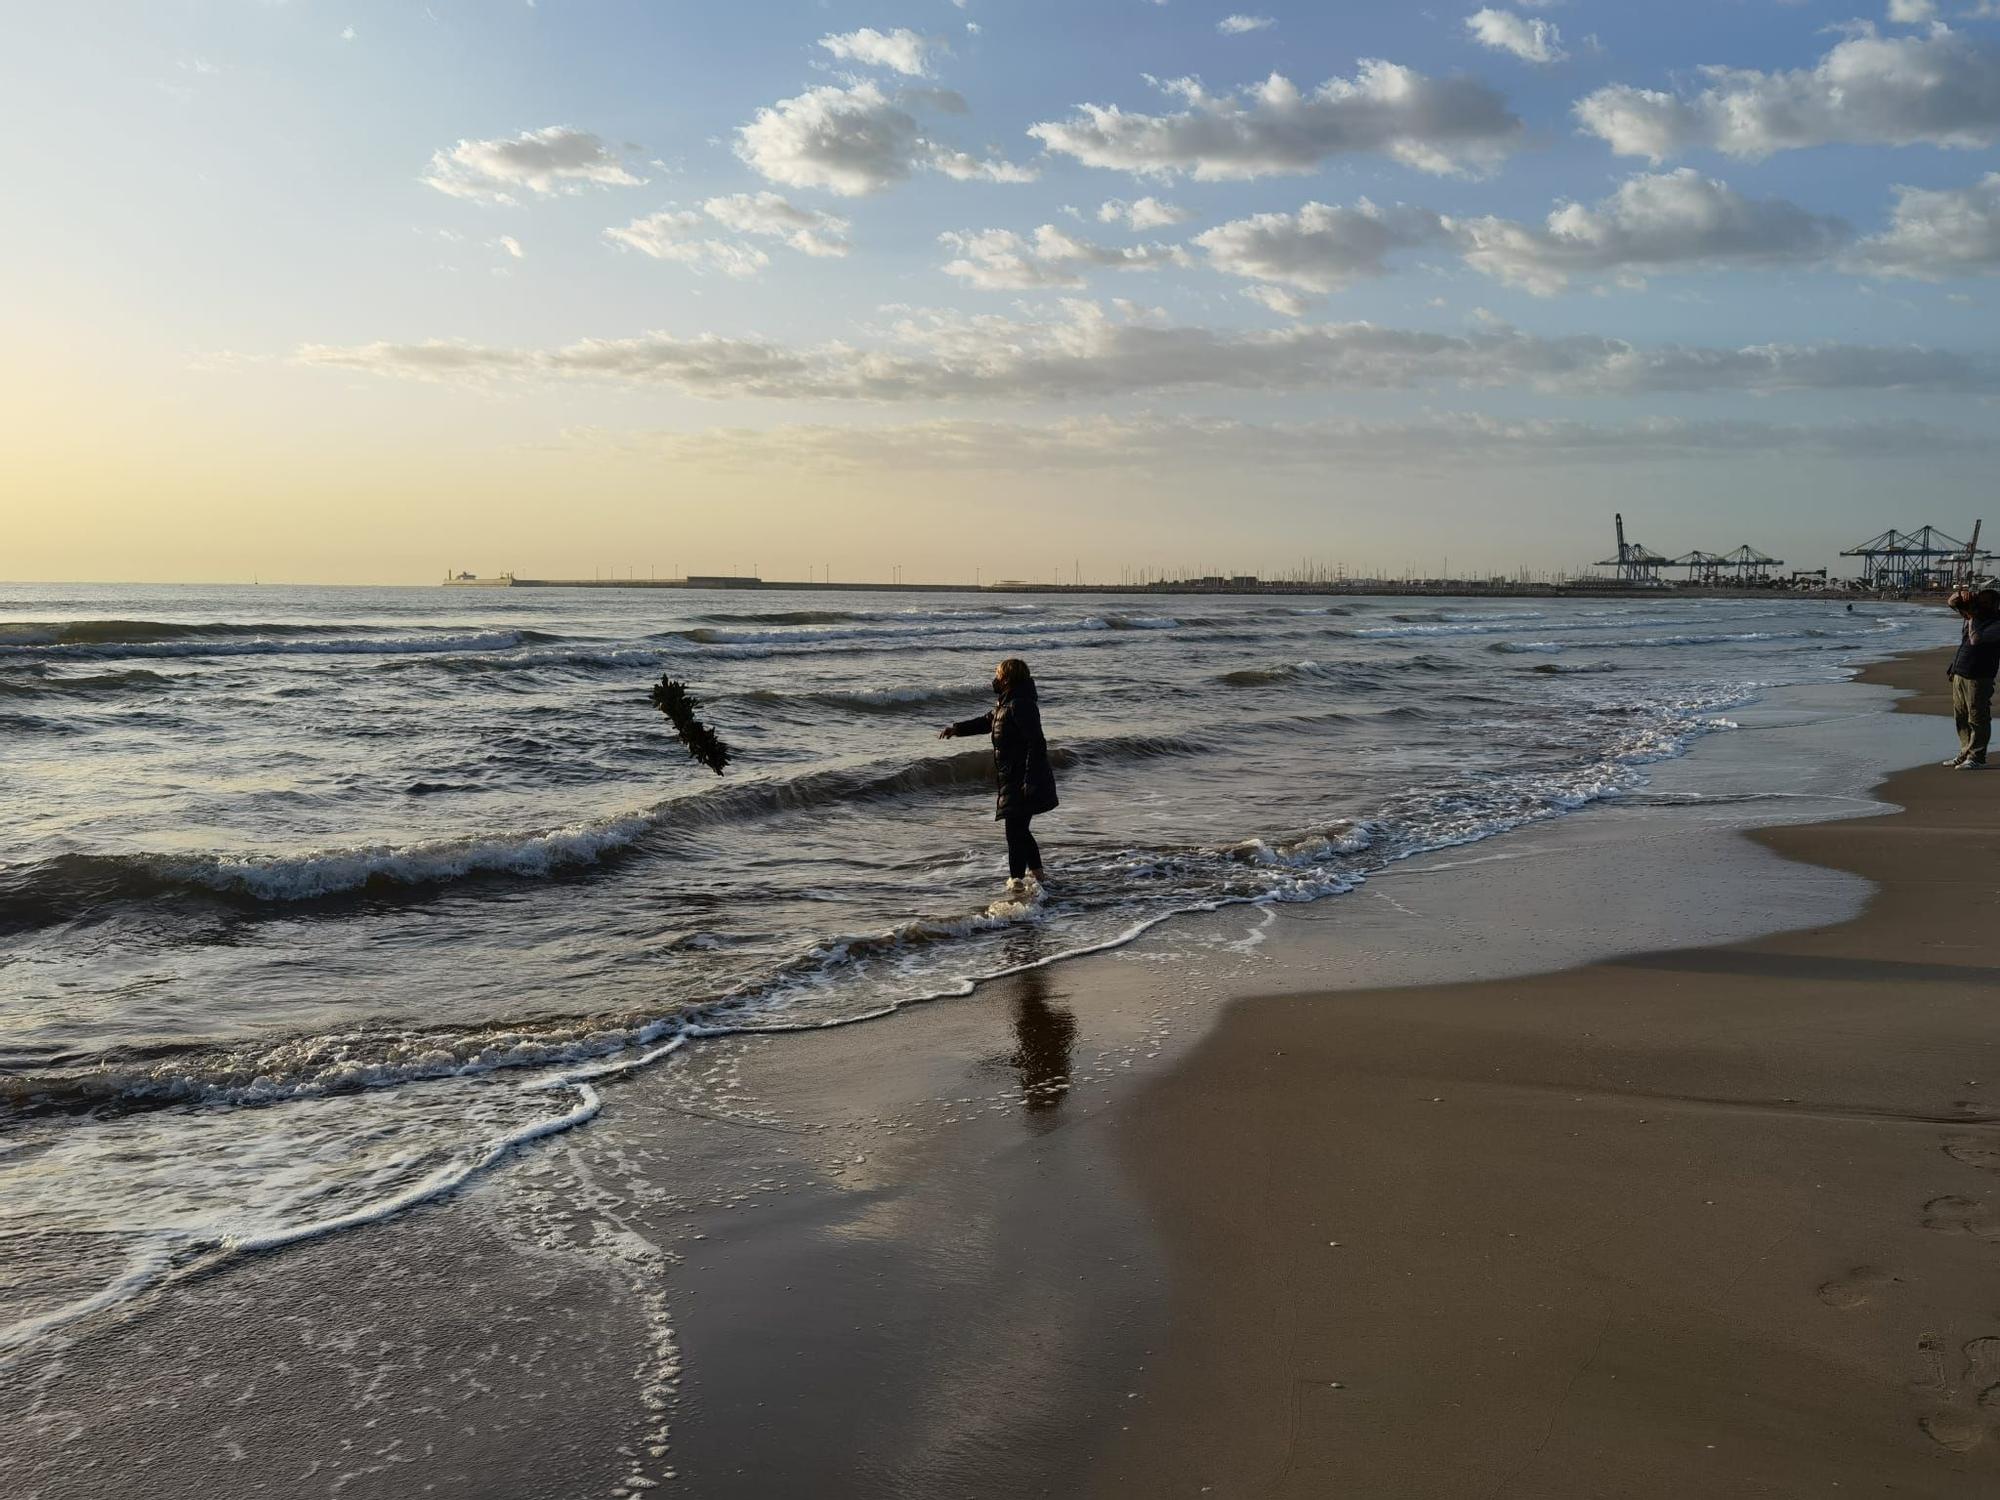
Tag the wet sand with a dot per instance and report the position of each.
(1722, 1221)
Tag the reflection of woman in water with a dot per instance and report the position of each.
(1026, 780)
(1043, 1037)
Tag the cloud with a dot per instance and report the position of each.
(511, 245)
(962, 167)
(1090, 355)
(557, 159)
(1677, 220)
(1142, 213)
(1172, 445)
(1912, 12)
(683, 236)
(1435, 125)
(1933, 235)
(901, 50)
(1503, 31)
(807, 230)
(1941, 88)
(1285, 304)
(679, 237)
(1320, 248)
(1238, 25)
(853, 141)
(1000, 260)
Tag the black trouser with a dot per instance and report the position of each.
(1023, 853)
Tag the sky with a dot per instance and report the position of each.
(342, 291)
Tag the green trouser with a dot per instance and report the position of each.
(1972, 709)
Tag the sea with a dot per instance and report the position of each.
(317, 902)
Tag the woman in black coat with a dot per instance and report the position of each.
(1026, 780)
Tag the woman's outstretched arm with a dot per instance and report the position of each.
(978, 724)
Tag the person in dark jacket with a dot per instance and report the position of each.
(1972, 671)
(1026, 781)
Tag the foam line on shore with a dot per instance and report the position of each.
(444, 1180)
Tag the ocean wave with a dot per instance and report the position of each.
(289, 644)
(1283, 672)
(787, 617)
(42, 892)
(1313, 847)
(901, 699)
(1721, 638)
(529, 660)
(779, 617)
(41, 684)
(142, 632)
(887, 633)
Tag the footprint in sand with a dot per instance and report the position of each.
(1974, 1412)
(1952, 1214)
(1982, 1373)
(1975, 1151)
(1953, 1430)
(1855, 1287)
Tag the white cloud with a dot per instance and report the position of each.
(1912, 12)
(807, 230)
(1435, 125)
(1141, 213)
(1320, 248)
(901, 50)
(966, 168)
(1238, 25)
(1000, 260)
(850, 140)
(1503, 31)
(1941, 88)
(1938, 234)
(511, 245)
(854, 141)
(557, 159)
(1278, 300)
(679, 236)
(1445, 439)
(1088, 354)
(1677, 220)
(684, 236)
(347, 33)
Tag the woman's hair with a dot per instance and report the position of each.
(1985, 602)
(1013, 673)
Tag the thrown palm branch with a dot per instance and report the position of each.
(702, 743)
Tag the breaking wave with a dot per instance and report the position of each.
(42, 892)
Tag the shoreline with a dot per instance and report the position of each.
(934, 1256)
(1704, 1221)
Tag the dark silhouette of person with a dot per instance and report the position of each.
(1026, 782)
(1973, 667)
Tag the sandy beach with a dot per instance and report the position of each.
(1192, 1218)
(1716, 1222)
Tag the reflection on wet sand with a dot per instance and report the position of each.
(1044, 1035)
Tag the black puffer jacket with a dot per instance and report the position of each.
(1026, 780)
(1978, 655)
